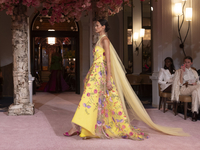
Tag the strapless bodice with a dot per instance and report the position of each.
(99, 54)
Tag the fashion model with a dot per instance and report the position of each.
(102, 111)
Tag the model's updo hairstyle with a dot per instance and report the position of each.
(104, 22)
(188, 57)
(172, 68)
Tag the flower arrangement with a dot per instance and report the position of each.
(61, 10)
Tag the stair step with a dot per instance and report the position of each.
(45, 76)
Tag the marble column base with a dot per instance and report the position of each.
(21, 109)
(155, 92)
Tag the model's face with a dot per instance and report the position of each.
(99, 28)
(168, 63)
(187, 63)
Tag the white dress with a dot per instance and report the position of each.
(189, 76)
(164, 77)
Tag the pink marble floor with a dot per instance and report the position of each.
(44, 130)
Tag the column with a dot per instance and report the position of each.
(162, 32)
(157, 49)
(22, 105)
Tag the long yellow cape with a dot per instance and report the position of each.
(125, 90)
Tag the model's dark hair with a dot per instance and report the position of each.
(104, 22)
(172, 68)
(188, 57)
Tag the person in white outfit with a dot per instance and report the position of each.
(186, 82)
(166, 74)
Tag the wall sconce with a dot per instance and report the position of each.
(179, 11)
(188, 15)
(135, 38)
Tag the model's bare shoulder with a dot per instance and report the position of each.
(105, 41)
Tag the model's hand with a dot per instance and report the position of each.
(169, 82)
(109, 85)
(183, 68)
(194, 83)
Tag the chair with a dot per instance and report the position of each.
(194, 68)
(135, 81)
(185, 99)
(1, 86)
(163, 97)
(146, 85)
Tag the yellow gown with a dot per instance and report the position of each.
(100, 113)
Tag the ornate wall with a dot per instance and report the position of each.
(166, 42)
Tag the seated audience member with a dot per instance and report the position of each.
(186, 82)
(198, 71)
(166, 74)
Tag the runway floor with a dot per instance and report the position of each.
(53, 114)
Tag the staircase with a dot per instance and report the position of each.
(45, 76)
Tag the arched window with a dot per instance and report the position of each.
(41, 23)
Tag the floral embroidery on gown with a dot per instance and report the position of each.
(100, 112)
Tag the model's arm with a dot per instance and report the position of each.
(198, 82)
(106, 46)
(161, 77)
(181, 76)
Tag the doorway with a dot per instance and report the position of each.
(46, 40)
